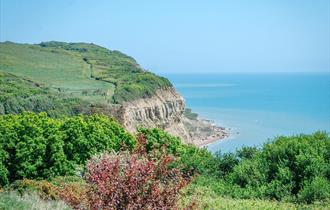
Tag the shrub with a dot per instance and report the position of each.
(247, 173)
(247, 152)
(86, 136)
(189, 158)
(303, 157)
(33, 146)
(317, 189)
(225, 163)
(36, 146)
(138, 180)
(124, 181)
(157, 139)
(294, 168)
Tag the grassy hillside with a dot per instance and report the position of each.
(83, 70)
(18, 95)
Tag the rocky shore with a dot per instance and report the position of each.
(203, 132)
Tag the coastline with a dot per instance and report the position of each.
(218, 134)
(204, 132)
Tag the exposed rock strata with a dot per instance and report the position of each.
(165, 110)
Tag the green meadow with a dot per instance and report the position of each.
(82, 70)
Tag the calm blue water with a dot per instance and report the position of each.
(258, 106)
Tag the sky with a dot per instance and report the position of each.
(183, 36)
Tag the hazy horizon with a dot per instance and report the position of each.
(184, 37)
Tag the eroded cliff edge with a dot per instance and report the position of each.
(165, 109)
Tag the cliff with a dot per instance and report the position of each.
(165, 110)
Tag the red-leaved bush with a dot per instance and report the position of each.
(124, 181)
(130, 181)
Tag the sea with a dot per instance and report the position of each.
(257, 107)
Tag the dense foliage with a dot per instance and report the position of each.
(36, 146)
(291, 169)
(294, 168)
(137, 180)
(124, 181)
(189, 158)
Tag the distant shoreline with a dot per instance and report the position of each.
(218, 133)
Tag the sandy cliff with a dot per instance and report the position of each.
(163, 110)
(166, 110)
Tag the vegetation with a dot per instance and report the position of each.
(18, 95)
(286, 173)
(189, 114)
(137, 180)
(292, 169)
(82, 70)
(124, 181)
(289, 168)
(190, 159)
(36, 146)
(206, 198)
(13, 201)
(92, 162)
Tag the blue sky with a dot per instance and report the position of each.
(184, 36)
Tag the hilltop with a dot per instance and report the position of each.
(87, 71)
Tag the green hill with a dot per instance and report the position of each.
(18, 95)
(86, 71)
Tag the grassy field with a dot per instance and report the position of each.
(82, 70)
(55, 68)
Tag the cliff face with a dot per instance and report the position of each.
(163, 110)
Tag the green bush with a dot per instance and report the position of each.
(247, 152)
(190, 158)
(247, 173)
(293, 168)
(36, 146)
(317, 189)
(225, 163)
(158, 139)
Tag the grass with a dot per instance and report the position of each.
(18, 95)
(28, 201)
(82, 70)
(58, 68)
